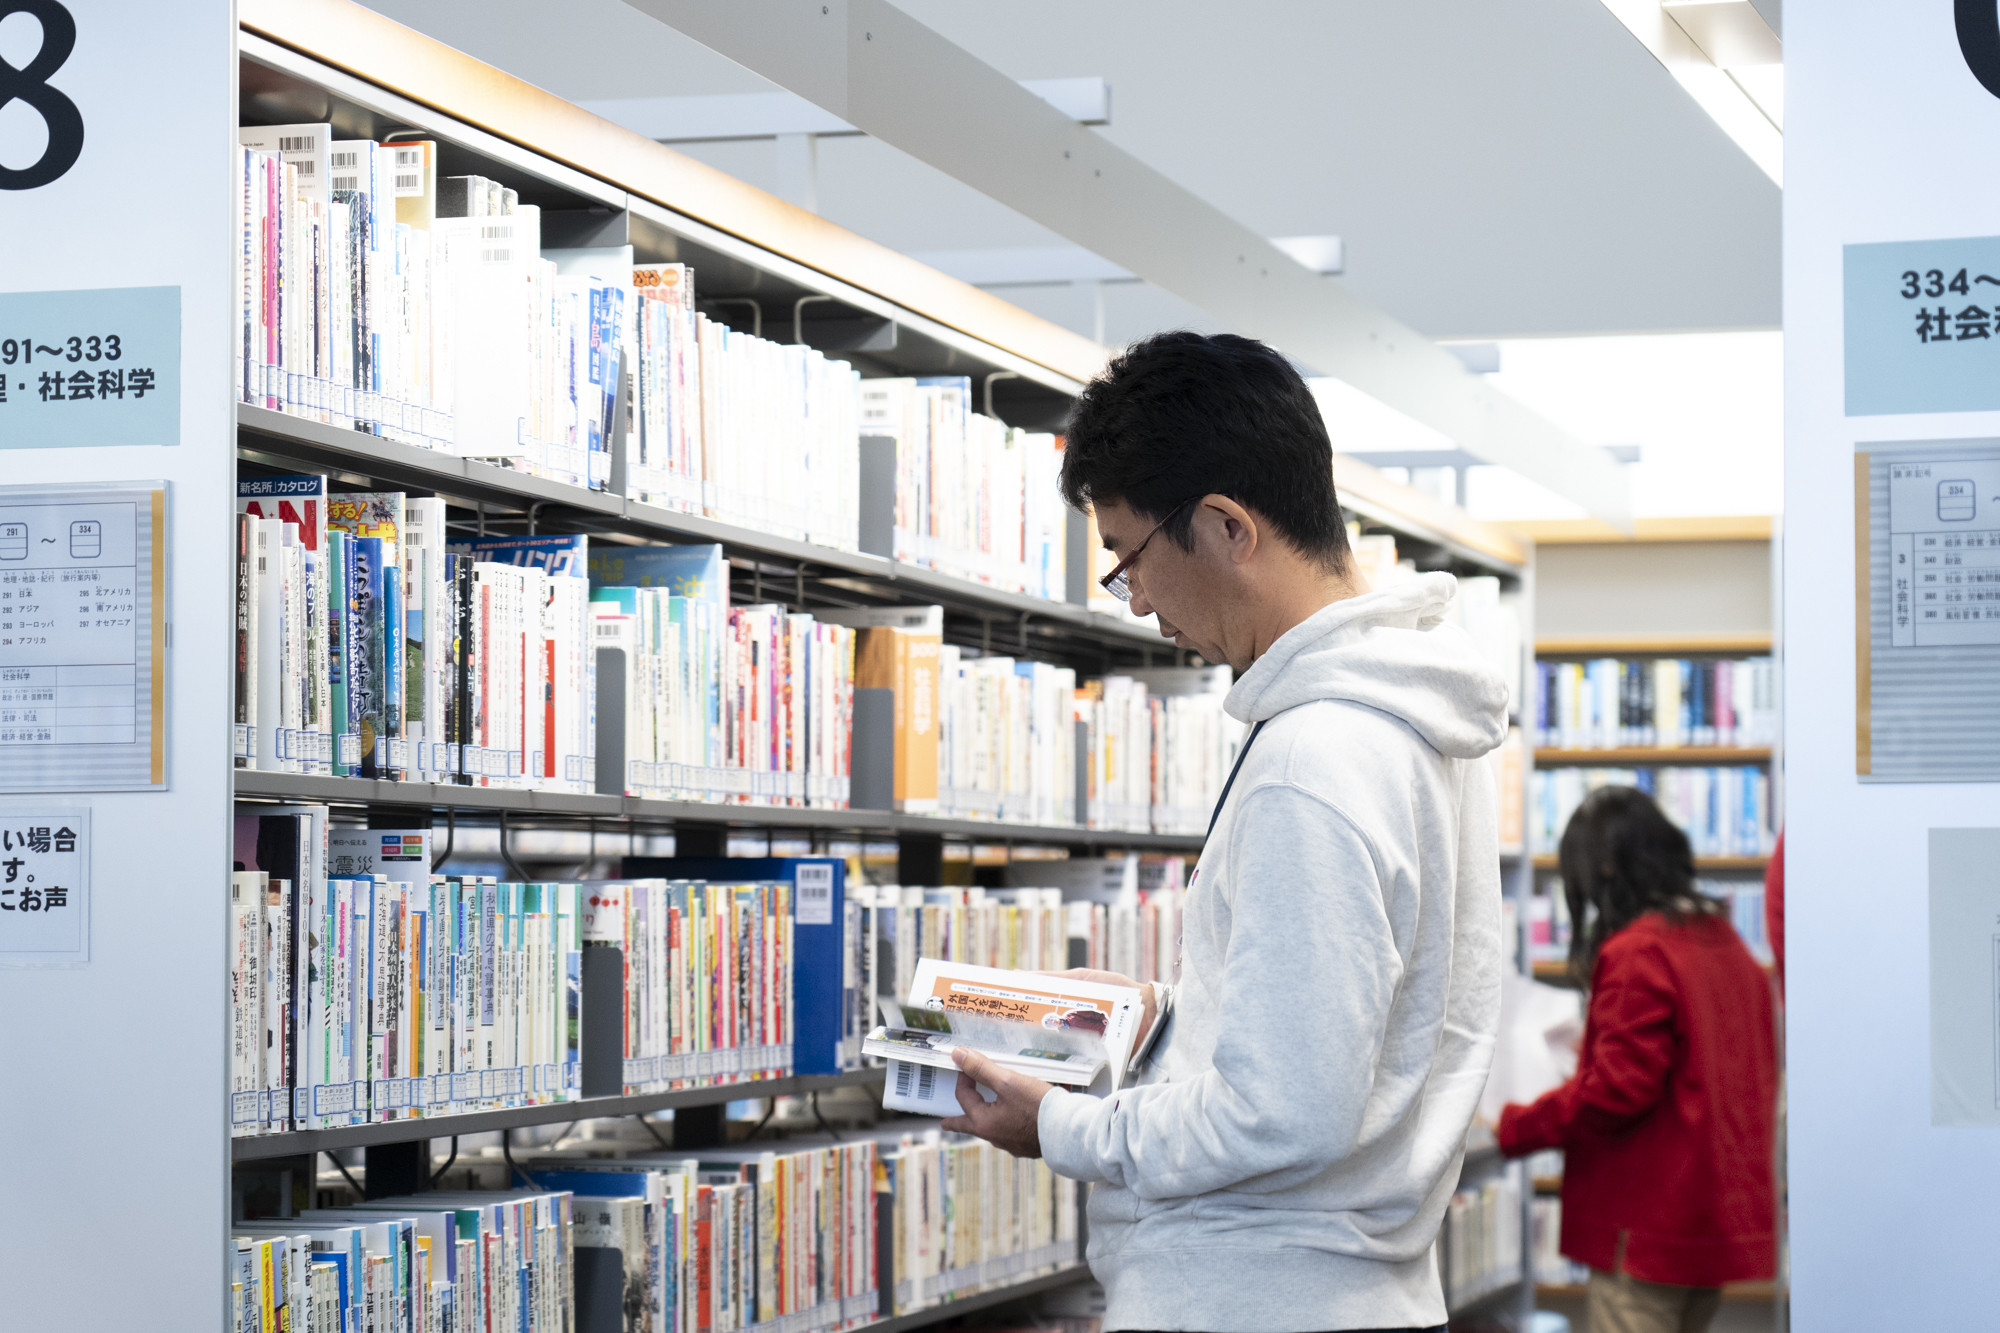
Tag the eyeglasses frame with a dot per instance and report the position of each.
(1116, 583)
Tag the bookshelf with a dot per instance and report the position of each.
(1632, 755)
(1701, 863)
(265, 1146)
(548, 808)
(1731, 1291)
(150, 1009)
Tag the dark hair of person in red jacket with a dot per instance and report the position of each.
(1666, 1127)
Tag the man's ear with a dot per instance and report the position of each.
(1239, 527)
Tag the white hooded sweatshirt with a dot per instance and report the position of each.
(1283, 1160)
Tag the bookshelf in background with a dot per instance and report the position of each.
(1693, 721)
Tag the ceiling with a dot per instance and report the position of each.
(1495, 170)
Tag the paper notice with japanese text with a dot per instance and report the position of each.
(82, 637)
(44, 886)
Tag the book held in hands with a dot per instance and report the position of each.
(1055, 1028)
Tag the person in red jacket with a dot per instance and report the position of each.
(1666, 1128)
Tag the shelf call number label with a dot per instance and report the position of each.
(1922, 326)
(89, 368)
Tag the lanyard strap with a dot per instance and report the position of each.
(1234, 769)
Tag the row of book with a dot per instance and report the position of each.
(1725, 811)
(974, 498)
(366, 648)
(1553, 1268)
(366, 989)
(1549, 926)
(1479, 1244)
(1662, 701)
(800, 1239)
(1032, 929)
(368, 645)
(356, 1000)
(377, 297)
(745, 704)
(437, 1262)
(998, 738)
(734, 426)
(765, 1239)
(1006, 739)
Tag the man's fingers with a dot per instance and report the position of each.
(974, 1106)
(979, 1067)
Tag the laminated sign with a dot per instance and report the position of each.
(44, 886)
(83, 637)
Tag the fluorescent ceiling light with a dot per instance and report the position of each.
(1728, 59)
(1321, 254)
(703, 118)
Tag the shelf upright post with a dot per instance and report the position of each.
(129, 1046)
(1522, 889)
(920, 858)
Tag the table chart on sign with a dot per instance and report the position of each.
(1944, 553)
(69, 624)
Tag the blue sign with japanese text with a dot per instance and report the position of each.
(86, 368)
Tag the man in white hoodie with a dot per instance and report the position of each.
(1282, 1157)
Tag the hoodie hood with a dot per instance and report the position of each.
(1391, 651)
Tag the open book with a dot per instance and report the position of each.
(1057, 1029)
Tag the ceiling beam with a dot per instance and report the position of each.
(880, 70)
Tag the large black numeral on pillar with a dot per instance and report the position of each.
(31, 85)
(1978, 41)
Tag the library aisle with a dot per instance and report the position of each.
(559, 664)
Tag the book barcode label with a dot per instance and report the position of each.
(306, 167)
(813, 899)
(503, 231)
(410, 184)
(348, 160)
(346, 182)
(922, 1077)
(297, 143)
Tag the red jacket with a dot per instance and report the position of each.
(1666, 1129)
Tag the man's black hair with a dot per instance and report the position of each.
(1181, 415)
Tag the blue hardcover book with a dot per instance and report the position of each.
(686, 571)
(822, 1003)
(560, 556)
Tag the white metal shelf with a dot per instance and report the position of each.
(280, 439)
(562, 805)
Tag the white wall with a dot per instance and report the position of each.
(1894, 1223)
(114, 1163)
(1664, 588)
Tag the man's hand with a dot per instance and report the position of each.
(1149, 1001)
(1013, 1120)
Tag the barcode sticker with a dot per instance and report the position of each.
(306, 167)
(340, 160)
(812, 903)
(296, 143)
(922, 1077)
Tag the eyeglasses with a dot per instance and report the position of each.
(1117, 582)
